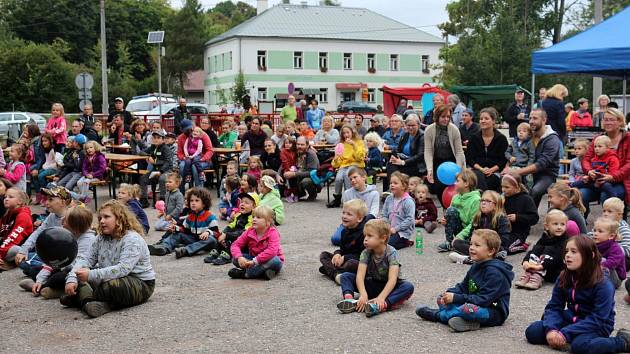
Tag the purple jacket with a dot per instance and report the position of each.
(95, 166)
(613, 257)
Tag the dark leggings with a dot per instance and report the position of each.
(349, 265)
(118, 293)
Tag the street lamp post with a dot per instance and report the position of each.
(153, 38)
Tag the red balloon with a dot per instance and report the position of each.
(447, 195)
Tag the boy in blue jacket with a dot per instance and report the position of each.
(483, 297)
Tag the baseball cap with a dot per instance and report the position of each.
(375, 119)
(186, 124)
(520, 90)
(79, 138)
(171, 135)
(252, 196)
(268, 182)
(160, 133)
(57, 191)
(119, 99)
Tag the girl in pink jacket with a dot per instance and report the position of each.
(56, 126)
(262, 240)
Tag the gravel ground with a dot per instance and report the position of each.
(196, 307)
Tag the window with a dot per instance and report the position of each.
(297, 60)
(262, 60)
(425, 64)
(216, 63)
(262, 93)
(393, 62)
(323, 95)
(230, 60)
(371, 96)
(323, 60)
(371, 61)
(347, 61)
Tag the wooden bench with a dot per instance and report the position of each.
(93, 186)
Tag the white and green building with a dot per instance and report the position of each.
(330, 53)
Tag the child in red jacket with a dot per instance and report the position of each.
(605, 162)
(15, 226)
(265, 256)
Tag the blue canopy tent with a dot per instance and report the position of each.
(602, 50)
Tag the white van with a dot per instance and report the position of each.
(141, 105)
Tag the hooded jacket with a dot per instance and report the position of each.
(273, 201)
(547, 154)
(574, 311)
(623, 153)
(607, 164)
(487, 284)
(612, 257)
(15, 226)
(351, 244)
(263, 248)
(96, 166)
(467, 205)
(550, 250)
(522, 205)
(370, 196)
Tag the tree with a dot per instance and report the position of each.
(239, 90)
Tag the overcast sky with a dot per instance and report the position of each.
(425, 14)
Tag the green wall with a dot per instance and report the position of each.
(279, 59)
(311, 60)
(409, 62)
(335, 61)
(359, 61)
(382, 62)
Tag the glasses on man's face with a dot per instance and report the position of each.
(487, 201)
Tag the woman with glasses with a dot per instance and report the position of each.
(486, 152)
(408, 156)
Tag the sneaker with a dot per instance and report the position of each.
(211, 256)
(459, 324)
(26, 284)
(457, 258)
(347, 305)
(49, 293)
(624, 334)
(96, 308)
(338, 279)
(69, 300)
(222, 259)
(158, 250)
(270, 274)
(520, 283)
(517, 247)
(427, 313)
(535, 282)
(444, 247)
(371, 309)
(322, 270)
(181, 252)
(237, 273)
(501, 255)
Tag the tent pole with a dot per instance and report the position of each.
(624, 94)
(533, 89)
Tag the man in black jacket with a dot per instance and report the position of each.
(119, 109)
(181, 112)
(517, 112)
(159, 164)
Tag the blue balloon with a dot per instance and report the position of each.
(447, 172)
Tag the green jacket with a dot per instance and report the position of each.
(273, 201)
(468, 205)
(227, 139)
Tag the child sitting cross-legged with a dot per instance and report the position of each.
(270, 196)
(483, 297)
(399, 210)
(346, 258)
(241, 221)
(198, 231)
(257, 252)
(426, 212)
(520, 210)
(613, 209)
(378, 279)
(606, 237)
(544, 260)
(174, 202)
(581, 311)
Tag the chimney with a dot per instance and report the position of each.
(261, 6)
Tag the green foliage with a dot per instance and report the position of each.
(239, 90)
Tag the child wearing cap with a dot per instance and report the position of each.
(240, 222)
(159, 165)
(70, 173)
(270, 196)
(171, 142)
(58, 201)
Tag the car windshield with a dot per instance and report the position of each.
(140, 106)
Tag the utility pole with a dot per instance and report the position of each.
(597, 81)
(104, 61)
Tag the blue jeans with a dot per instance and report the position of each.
(40, 181)
(584, 343)
(257, 271)
(541, 184)
(594, 194)
(32, 265)
(196, 169)
(470, 312)
(193, 243)
(402, 291)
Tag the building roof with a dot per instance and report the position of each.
(194, 81)
(326, 22)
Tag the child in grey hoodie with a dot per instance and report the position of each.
(400, 210)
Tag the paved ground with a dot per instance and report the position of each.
(196, 307)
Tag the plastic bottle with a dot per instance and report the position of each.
(419, 241)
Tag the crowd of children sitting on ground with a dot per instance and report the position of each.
(482, 229)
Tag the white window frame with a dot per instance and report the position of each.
(230, 57)
(322, 97)
(424, 64)
(261, 58)
(393, 62)
(371, 95)
(262, 94)
(371, 59)
(347, 61)
(323, 59)
(298, 60)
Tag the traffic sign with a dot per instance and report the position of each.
(83, 103)
(291, 88)
(84, 81)
(85, 94)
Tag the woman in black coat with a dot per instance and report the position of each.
(256, 138)
(486, 152)
(270, 158)
(408, 157)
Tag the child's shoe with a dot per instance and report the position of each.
(430, 226)
(535, 282)
(96, 308)
(69, 300)
(211, 256)
(222, 259)
(371, 309)
(26, 284)
(237, 273)
(181, 252)
(524, 279)
(49, 293)
(444, 247)
(501, 255)
(427, 313)
(270, 274)
(518, 246)
(158, 250)
(347, 305)
(460, 258)
(338, 279)
(459, 324)
(624, 334)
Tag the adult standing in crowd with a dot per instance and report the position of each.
(394, 133)
(456, 105)
(486, 151)
(255, 137)
(517, 112)
(402, 107)
(180, 113)
(468, 127)
(442, 143)
(302, 111)
(429, 116)
(119, 109)
(546, 156)
(542, 93)
(290, 112)
(206, 155)
(408, 157)
(327, 134)
(306, 162)
(602, 106)
(613, 125)
(554, 107)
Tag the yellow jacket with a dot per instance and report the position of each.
(353, 155)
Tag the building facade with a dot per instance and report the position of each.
(332, 63)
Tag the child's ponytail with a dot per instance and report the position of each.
(576, 200)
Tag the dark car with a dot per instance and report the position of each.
(354, 106)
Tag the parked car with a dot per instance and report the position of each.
(355, 106)
(11, 123)
(141, 105)
(168, 110)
